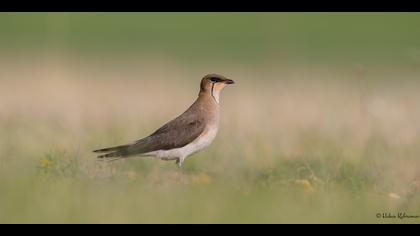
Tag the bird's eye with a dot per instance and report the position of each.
(214, 80)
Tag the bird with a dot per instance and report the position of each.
(190, 132)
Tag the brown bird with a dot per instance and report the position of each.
(189, 133)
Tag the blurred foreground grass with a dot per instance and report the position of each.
(303, 148)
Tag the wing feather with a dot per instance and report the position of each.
(174, 134)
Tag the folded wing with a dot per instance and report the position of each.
(174, 134)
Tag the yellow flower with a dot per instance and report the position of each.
(306, 185)
(45, 163)
(200, 179)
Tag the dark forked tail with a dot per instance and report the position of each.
(115, 152)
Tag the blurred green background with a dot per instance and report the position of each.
(258, 38)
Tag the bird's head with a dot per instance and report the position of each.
(212, 84)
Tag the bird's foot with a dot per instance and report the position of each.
(181, 169)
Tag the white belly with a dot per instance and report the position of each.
(198, 144)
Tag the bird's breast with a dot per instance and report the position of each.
(201, 142)
(206, 138)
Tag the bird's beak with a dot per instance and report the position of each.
(229, 81)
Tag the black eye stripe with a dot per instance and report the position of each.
(215, 80)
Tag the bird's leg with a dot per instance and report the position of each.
(179, 163)
(181, 169)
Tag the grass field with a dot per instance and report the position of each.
(300, 141)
